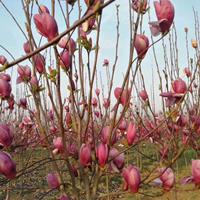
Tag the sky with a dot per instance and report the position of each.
(12, 38)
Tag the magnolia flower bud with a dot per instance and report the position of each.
(85, 155)
(7, 165)
(46, 25)
(24, 74)
(141, 45)
(167, 177)
(5, 89)
(39, 62)
(125, 95)
(23, 103)
(106, 103)
(143, 94)
(132, 178)
(179, 86)
(102, 154)
(105, 134)
(27, 47)
(117, 162)
(105, 62)
(68, 44)
(6, 135)
(123, 125)
(53, 181)
(131, 133)
(58, 144)
(65, 60)
(94, 102)
(3, 60)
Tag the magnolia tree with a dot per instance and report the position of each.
(96, 143)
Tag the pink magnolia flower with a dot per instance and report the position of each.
(27, 47)
(123, 125)
(141, 45)
(102, 154)
(3, 60)
(24, 74)
(72, 150)
(106, 103)
(5, 89)
(131, 133)
(53, 181)
(46, 25)
(143, 95)
(58, 144)
(167, 177)
(117, 160)
(179, 86)
(94, 102)
(85, 155)
(7, 165)
(6, 135)
(39, 62)
(132, 178)
(68, 44)
(178, 90)
(139, 6)
(65, 59)
(97, 114)
(165, 15)
(196, 171)
(125, 95)
(105, 62)
(105, 134)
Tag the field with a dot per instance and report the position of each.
(33, 185)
